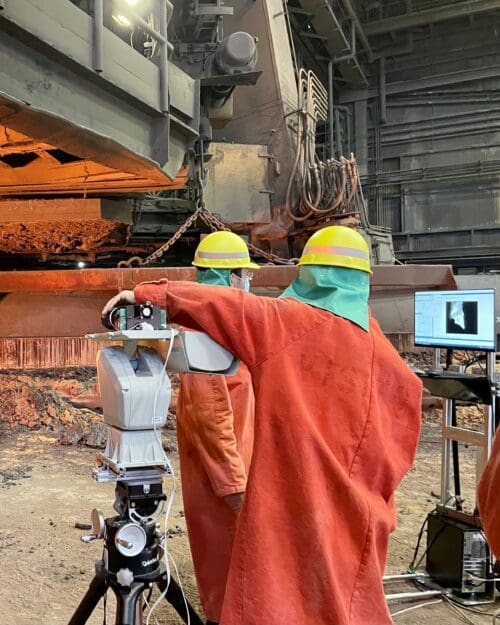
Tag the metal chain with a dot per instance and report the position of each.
(215, 224)
(143, 262)
(212, 222)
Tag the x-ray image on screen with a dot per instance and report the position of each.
(461, 317)
(456, 319)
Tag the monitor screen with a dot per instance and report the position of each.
(456, 319)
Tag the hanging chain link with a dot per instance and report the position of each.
(211, 221)
(215, 224)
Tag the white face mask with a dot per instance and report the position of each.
(242, 283)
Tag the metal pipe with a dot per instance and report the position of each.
(352, 54)
(398, 596)
(331, 63)
(403, 576)
(338, 135)
(348, 114)
(359, 28)
(491, 415)
(98, 41)
(382, 91)
(446, 453)
(437, 359)
(164, 99)
(330, 108)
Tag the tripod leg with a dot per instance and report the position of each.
(92, 597)
(176, 600)
(126, 602)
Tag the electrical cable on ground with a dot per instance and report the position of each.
(416, 607)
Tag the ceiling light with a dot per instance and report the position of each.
(121, 20)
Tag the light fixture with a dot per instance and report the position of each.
(80, 264)
(121, 20)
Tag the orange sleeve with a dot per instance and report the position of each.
(206, 416)
(489, 498)
(252, 328)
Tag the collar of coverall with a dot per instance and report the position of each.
(341, 291)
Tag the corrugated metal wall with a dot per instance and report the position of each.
(46, 353)
(433, 168)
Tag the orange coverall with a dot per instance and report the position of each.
(215, 421)
(489, 498)
(337, 419)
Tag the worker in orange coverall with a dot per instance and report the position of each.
(489, 498)
(215, 424)
(336, 426)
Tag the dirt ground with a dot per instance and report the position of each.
(46, 487)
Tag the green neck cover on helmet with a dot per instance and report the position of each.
(214, 277)
(341, 291)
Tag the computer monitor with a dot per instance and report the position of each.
(456, 319)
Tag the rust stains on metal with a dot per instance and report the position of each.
(386, 278)
(59, 237)
(87, 279)
(30, 167)
(46, 353)
(55, 352)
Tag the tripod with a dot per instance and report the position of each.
(132, 558)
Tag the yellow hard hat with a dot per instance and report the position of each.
(223, 250)
(338, 246)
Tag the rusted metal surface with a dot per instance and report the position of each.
(87, 279)
(402, 341)
(43, 315)
(409, 278)
(62, 237)
(55, 352)
(46, 353)
(49, 170)
(385, 278)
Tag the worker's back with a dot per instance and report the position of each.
(337, 417)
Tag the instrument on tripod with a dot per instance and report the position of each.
(135, 392)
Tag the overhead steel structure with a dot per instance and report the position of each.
(90, 108)
(72, 91)
(426, 128)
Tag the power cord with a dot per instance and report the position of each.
(171, 496)
(416, 607)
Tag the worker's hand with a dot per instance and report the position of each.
(235, 501)
(122, 299)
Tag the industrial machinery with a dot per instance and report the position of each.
(114, 114)
(111, 136)
(135, 393)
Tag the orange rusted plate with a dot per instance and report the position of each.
(404, 278)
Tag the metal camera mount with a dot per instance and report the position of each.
(135, 392)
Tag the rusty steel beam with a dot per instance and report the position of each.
(385, 278)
